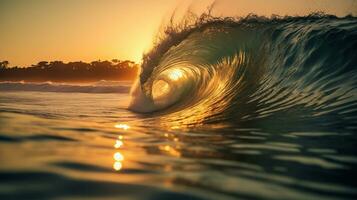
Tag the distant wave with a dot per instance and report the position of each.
(97, 87)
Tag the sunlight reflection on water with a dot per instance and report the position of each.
(118, 156)
(106, 144)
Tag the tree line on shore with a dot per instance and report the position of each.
(58, 71)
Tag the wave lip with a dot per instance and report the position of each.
(97, 87)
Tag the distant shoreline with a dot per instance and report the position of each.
(72, 72)
(59, 81)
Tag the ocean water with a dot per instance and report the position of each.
(56, 145)
(254, 108)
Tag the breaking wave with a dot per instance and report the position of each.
(219, 69)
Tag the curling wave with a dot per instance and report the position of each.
(252, 68)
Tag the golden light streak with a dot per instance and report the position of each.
(172, 151)
(175, 127)
(118, 144)
(122, 126)
(160, 88)
(118, 157)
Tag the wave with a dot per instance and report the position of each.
(219, 69)
(97, 87)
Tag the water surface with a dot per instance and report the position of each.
(89, 146)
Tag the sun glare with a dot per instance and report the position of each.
(122, 126)
(176, 74)
(117, 166)
(118, 156)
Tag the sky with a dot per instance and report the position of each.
(88, 30)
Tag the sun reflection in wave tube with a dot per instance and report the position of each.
(175, 74)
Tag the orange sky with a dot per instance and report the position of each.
(87, 30)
